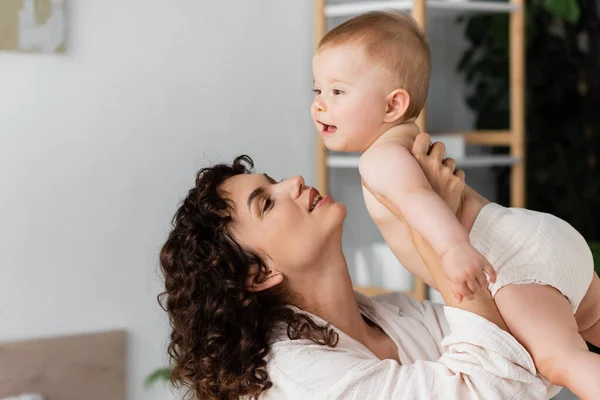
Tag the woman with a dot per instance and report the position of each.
(261, 303)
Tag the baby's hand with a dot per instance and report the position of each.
(467, 268)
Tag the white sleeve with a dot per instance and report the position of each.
(479, 361)
(430, 314)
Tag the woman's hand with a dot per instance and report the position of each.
(447, 181)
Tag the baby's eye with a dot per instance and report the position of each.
(317, 91)
(337, 92)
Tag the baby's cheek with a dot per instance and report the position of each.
(364, 114)
(357, 110)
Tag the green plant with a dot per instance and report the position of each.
(567, 10)
(159, 375)
(562, 103)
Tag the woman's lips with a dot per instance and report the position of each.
(326, 199)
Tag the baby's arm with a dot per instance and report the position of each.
(392, 172)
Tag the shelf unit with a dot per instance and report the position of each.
(513, 139)
(346, 161)
(351, 9)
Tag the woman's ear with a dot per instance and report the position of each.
(270, 279)
(397, 103)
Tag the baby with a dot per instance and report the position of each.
(371, 78)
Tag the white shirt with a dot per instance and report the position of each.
(446, 353)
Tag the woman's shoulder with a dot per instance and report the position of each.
(402, 311)
(399, 303)
(303, 369)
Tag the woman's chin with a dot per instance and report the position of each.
(340, 217)
(341, 210)
(345, 211)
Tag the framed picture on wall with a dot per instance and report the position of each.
(33, 25)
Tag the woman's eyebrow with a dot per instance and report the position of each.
(273, 181)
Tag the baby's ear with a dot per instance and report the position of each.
(397, 103)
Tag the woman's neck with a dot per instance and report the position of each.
(331, 297)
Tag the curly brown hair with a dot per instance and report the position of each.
(221, 332)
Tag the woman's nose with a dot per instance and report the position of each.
(295, 185)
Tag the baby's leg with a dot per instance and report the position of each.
(542, 320)
(588, 313)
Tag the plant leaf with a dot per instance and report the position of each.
(563, 9)
(162, 374)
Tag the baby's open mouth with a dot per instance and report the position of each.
(325, 128)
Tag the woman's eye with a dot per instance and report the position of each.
(317, 91)
(337, 92)
(268, 204)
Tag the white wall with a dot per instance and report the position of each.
(97, 146)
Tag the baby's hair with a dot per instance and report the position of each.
(395, 40)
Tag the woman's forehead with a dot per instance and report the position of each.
(245, 183)
(238, 185)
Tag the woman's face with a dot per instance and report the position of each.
(288, 223)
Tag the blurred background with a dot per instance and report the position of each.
(108, 108)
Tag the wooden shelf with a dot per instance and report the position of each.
(351, 161)
(489, 138)
(467, 5)
(355, 8)
(351, 9)
(488, 161)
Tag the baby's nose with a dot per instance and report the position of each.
(319, 106)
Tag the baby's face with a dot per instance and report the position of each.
(350, 98)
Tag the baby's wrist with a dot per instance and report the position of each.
(452, 249)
